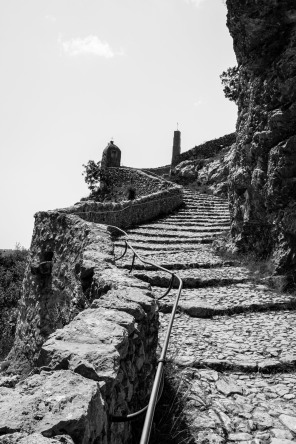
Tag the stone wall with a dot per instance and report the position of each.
(87, 332)
(85, 341)
(263, 172)
(159, 171)
(128, 213)
(124, 184)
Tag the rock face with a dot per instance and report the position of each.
(206, 166)
(263, 169)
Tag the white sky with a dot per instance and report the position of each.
(75, 73)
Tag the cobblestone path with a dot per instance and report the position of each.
(233, 341)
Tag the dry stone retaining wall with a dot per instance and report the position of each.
(129, 213)
(86, 339)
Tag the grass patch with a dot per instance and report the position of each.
(261, 269)
(169, 423)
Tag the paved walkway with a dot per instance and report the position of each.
(233, 342)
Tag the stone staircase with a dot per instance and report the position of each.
(233, 342)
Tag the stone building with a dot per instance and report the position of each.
(111, 156)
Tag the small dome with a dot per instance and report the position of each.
(111, 144)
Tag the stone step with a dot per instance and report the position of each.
(126, 262)
(196, 277)
(172, 246)
(162, 236)
(204, 197)
(247, 342)
(173, 226)
(196, 221)
(207, 207)
(204, 218)
(215, 201)
(238, 407)
(196, 210)
(231, 299)
(189, 223)
(174, 231)
(201, 254)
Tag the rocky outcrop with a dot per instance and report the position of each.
(85, 342)
(206, 166)
(207, 149)
(263, 172)
(206, 174)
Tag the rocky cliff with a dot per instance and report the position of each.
(263, 169)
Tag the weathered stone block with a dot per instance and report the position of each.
(54, 404)
(91, 345)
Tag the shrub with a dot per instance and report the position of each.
(12, 269)
(130, 193)
(230, 82)
(93, 174)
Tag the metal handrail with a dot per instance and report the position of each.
(161, 361)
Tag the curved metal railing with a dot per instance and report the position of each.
(155, 393)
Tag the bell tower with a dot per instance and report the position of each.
(176, 146)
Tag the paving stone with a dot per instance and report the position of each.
(289, 422)
(237, 339)
(239, 437)
(228, 387)
(281, 441)
(281, 434)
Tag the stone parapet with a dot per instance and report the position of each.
(85, 342)
(128, 213)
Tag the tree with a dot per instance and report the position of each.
(92, 174)
(230, 82)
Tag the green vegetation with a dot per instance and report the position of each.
(170, 424)
(92, 174)
(12, 269)
(230, 82)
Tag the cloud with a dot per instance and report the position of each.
(198, 103)
(196, 3)
(91, 45)
(50, 18)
